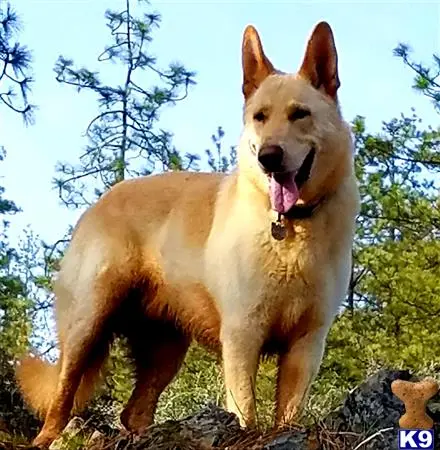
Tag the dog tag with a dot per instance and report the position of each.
(278, 229)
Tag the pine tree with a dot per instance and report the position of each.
(393, 319)
(426, 79)
(15, 83)
(124, 138)
(15, 62)
(217, 160)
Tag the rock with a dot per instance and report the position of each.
(57, 444)
(97, 439)
(366, 420)
(74, 426)
(213, 425)
(371, 409)
(289, 440)
(209, 428)
(370, 405)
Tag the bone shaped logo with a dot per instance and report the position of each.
(415, 396)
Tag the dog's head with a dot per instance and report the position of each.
(295, 145)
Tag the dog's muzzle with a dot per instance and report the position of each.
(270, 158)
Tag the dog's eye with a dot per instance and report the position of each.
(260, 116)
(299, 113)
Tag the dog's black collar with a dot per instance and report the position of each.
(302, 211)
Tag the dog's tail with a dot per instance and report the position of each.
(38, 380)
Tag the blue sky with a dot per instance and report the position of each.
(206, 37)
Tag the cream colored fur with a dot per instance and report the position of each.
(199, 250)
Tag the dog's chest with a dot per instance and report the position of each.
(278, 275)
(293, 287)
(289, 263)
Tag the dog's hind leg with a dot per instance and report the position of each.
(85, 332)
(158, 349)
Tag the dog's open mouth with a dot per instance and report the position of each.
(285, 186)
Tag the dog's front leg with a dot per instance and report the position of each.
(240, 351)
(297, 370)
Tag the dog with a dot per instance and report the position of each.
(253, 262)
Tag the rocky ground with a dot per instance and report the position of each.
(366, 420)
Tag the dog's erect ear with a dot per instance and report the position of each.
(320, 64)
(256, 66)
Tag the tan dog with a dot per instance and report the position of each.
(249, 263)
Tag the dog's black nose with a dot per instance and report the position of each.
(271, 158)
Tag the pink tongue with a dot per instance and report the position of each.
(283, 195)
